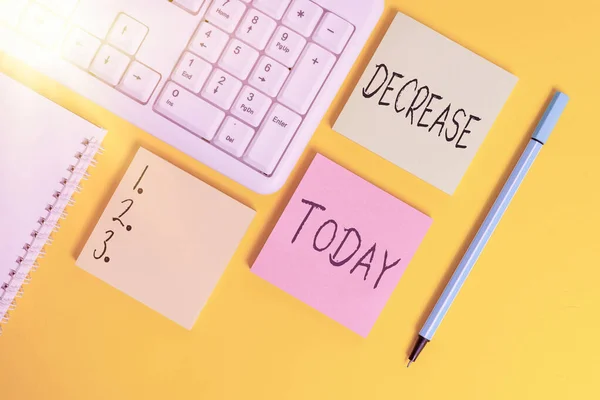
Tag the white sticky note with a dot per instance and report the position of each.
(165, 238)
(425, 103)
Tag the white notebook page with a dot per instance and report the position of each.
(38, 142)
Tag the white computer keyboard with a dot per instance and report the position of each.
(240, 85)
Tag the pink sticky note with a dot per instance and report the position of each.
(341, 245)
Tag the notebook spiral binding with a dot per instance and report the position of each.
(48, 224)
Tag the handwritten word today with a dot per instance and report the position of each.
(418, 103)
(344, 251)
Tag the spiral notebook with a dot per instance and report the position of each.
(45, 152)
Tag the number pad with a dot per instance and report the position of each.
(249, 74)
(238, 59)
(269, 76)
(251, 106)
(221, 89)
(286, 46)
(209, 42)
(256, 29)
(192, 72)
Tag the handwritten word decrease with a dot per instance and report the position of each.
(419, 105)
(341, 245)
(425, 103)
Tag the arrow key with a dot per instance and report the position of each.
(269, 76)
(256, 29)
(127, 34)
(109, 64)
(209, 42)
(139, 82)
(80, 47)
(221, 89)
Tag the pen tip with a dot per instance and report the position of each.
(409, 362)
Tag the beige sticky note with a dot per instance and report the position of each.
(425, 103)
(165, 238)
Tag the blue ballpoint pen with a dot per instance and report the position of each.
(540, 136)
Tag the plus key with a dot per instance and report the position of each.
(307, 78)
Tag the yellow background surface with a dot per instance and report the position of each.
(525, 326)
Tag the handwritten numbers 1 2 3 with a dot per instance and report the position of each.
(103, 253)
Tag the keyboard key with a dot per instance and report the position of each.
(274, 8)
(127, 34)
(41, 25)
(80, 48)
(234, 136)
(303, 16)
(139, 82)
(307, 78)
(192, 6)
(10, 11)
(256, 29)
(333, 33)
(192, 72)
(269, 76)
(251, 106)
(272, 139)
(209, 42)
(64, 8)
(226, 14)
(189, 111)
(285, 47)
(109, 64)
(238, 59)
(221, 89)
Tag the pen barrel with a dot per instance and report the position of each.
(481, 238)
